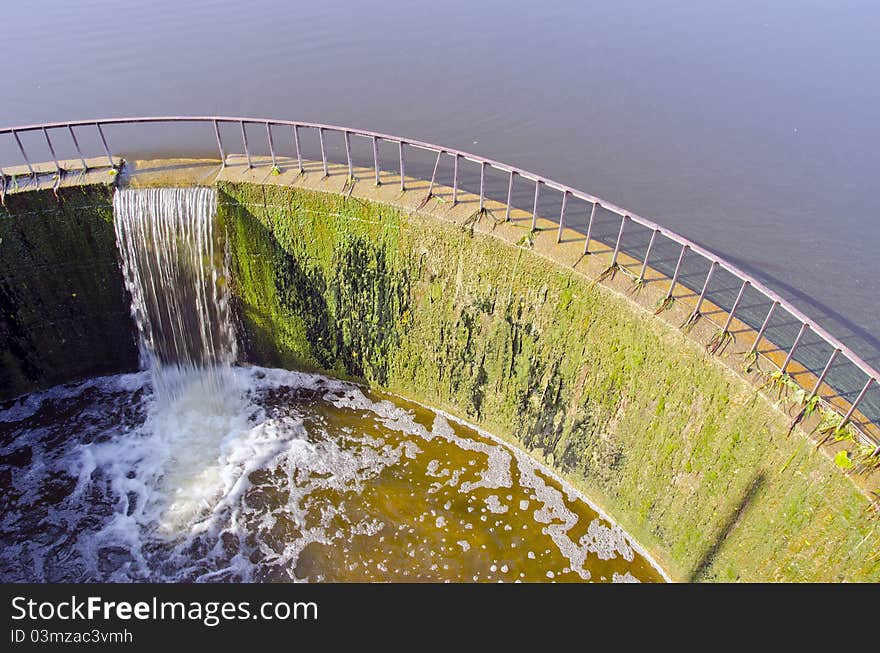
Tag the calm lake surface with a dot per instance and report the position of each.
(750, 128)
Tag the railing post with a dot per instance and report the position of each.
(434, 174)
(348, 154)
(323, 151)
(219, 144)
(684, 249)
(402, 166)
(78, 150)
(763, 328)
(562, 216)
(623, 220)
(376, 159)
(23, 153)
(247, 152)
(590, 228)
(535, 205)
(855, 404)
(299, 158)
(647, 254)
(739, 297)
(705, 287)
(271, 145)
(52, 151)
(482, 182)
(824, 373)
(455, 181)
(509, 197)
(794, 345)
(104, 143)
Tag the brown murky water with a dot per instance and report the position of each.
(284, 477)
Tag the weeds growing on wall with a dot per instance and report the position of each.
(809, 406)
(527, 241)
(719, 341)
(830, 428)
(691, 321)
(664, 304)
(750, 362)
(609, 272)
(780, 384)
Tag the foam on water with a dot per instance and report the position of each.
(179, 490)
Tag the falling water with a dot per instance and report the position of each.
(175, 270)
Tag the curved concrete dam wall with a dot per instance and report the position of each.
(682, 452)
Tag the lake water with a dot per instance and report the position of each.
(750, 128)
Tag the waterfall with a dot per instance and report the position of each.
(175, 269)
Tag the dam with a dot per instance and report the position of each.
(219, 331)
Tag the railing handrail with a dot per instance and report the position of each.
(872, 375)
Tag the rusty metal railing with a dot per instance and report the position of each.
(51, 134)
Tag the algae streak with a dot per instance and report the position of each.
(64, 313)
(681, 452)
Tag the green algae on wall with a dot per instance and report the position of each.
(682, 453)
(64, 313)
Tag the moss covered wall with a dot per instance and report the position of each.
(64, 313)
(681, 452)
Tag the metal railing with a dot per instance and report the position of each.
(839, 367)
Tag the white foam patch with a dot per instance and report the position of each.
(27, 406)
(556, 515)
(495, 475)
(493, 503)
(607, 541)
(624, 578)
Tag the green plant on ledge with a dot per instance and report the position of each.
(664, 304)
(809, 405)
(830, 428)
(609, 272)
(638, 284)
(719, 341)
(843, 460)
(692, 320)
(780, 384)
(527, 241)
(866, 459)
(750, 362)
